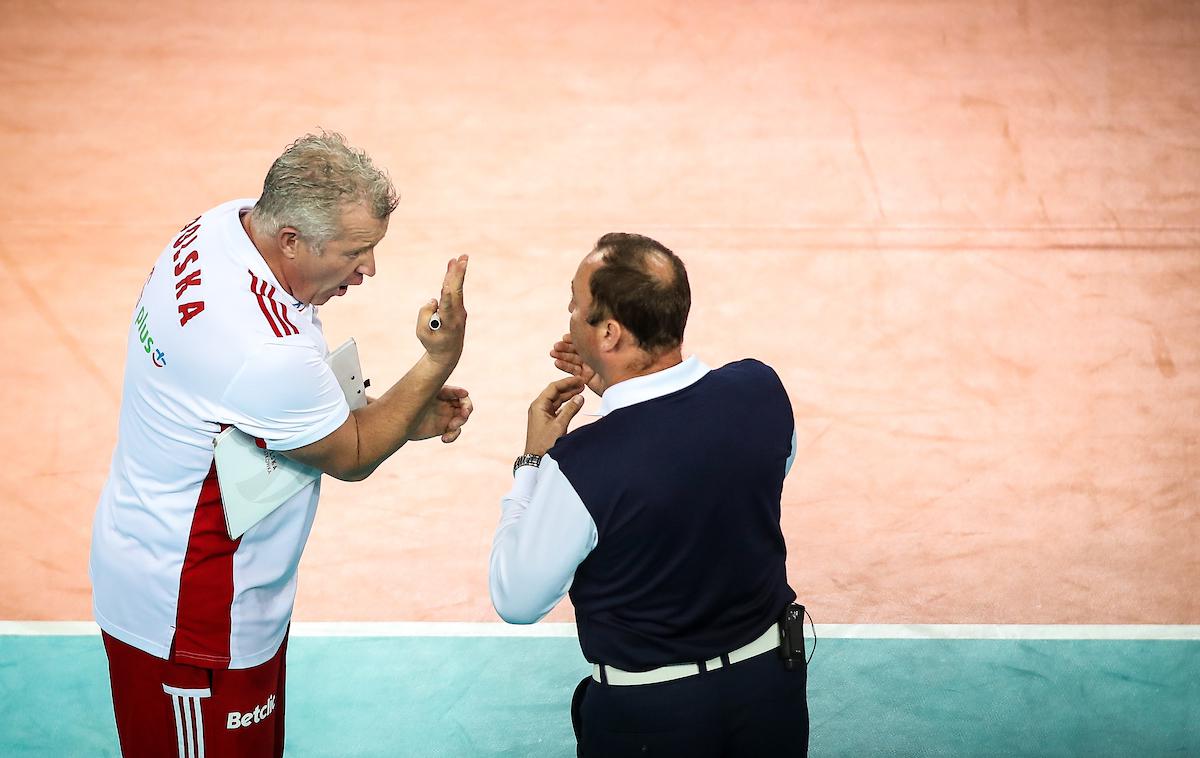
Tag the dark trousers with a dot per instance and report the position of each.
(753, 708)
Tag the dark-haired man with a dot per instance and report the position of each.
(662, 520)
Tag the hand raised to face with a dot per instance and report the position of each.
(568, 360)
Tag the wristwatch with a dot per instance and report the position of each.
(526, 459)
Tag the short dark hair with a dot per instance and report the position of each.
(651, 303)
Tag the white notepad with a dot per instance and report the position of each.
(255, 481)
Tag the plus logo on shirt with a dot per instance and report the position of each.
(157, 356)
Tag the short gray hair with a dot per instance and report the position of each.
(316, 177)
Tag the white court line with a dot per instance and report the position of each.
(824, 631)
(1009, 631)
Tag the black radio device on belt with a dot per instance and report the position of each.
(791, 628)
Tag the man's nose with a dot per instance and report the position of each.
(367, 267)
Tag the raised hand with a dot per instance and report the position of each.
(551, 412)
(445, 344)
(566, 359)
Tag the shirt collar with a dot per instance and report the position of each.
(642, 388)
(240, 245)
(244, 250)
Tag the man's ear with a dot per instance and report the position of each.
(611, 338)
(289, 242)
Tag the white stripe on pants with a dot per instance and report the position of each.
(189, 728)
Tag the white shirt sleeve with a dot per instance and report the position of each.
(792, 457)
(286, 395)
(545, 532)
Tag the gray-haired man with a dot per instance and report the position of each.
(226, 333)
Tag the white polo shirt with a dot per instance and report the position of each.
(214, 340)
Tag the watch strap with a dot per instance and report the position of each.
(526, 459)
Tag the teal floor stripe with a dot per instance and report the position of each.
(458, 697)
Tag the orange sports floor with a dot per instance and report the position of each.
(966, 234)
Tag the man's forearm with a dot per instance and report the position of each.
(369, 435)
(383, 426)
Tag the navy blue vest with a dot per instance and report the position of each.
(684, 490)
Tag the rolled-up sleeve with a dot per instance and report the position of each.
(545, 532)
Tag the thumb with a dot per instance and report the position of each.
(569, 409)
(423, 315)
